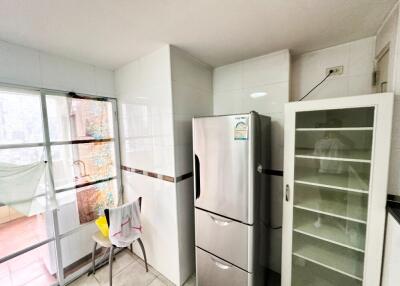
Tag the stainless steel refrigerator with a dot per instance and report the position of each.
(232, 198)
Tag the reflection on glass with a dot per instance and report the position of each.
(335, 144)
(338, 203)
(330, 208)
(20, 117)
(329, 228)
(352, 175)
(336, 118)
(79, 119)
(328, 254)
(76, 164)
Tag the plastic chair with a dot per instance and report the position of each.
(100, 239)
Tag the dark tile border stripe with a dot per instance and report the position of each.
(184, 177)
(393, 198)
(158, 176)
(393, 206)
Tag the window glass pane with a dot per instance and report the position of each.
(92, 200)
(84, 205)
(18, 231)
(20, 117)
(21, 156)
(67, 211)
(75, 249)
(36, 267)
(76, 164)
(79, 119)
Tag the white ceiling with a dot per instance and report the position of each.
(110, 33)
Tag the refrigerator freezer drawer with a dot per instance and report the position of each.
(225, 238)
(212, 271)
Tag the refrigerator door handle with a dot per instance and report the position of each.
(219, 221)
(220, 264)
(197, 175)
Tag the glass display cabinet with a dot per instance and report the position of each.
(336, 168)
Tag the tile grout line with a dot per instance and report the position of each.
(158, 176)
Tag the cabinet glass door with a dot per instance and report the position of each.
(333, 150)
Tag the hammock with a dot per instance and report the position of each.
(22, 188)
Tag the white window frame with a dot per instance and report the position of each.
(47, 145)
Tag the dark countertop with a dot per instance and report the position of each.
(393, 208)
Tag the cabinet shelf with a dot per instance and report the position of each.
(348, 235)
(350, 184)
(348, 156)
(327, 266)
(336, 129)
(339, 259)
(349, 206)
(329, 214)
(306, 273)
(299, 230)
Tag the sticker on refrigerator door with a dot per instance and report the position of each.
(241, 130)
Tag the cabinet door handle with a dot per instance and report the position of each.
(287, 192)
(219, 221)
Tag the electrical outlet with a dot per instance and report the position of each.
(335, 70)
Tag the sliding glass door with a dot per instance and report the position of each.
(78, 136)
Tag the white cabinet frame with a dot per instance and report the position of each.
(383, 104)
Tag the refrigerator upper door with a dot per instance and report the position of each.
(222, 149)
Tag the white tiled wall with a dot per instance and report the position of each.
(158, 95)
(185, 214)
(143, 88)
(388, 35)
(310, 68)
(144, 95)
(233, 85)
(25, 66)
(192, 96)
(159, 212)
(394, 178)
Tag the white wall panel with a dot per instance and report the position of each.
(25, 66)
(64, 74)
(356, 57)
(233, 86)
(159, 221)
(19, 65)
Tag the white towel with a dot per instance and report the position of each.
(125, 225)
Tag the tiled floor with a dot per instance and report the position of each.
(28, 268)
(128, 270)
(21, 233)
